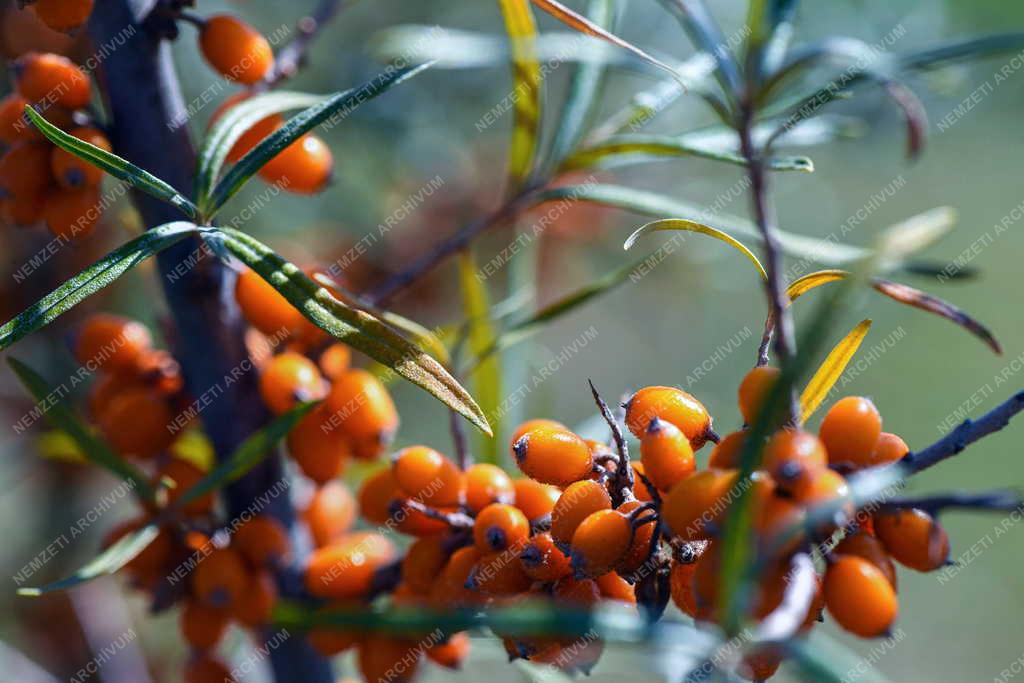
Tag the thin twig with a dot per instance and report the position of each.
(456, 520)
(462, 456)
(294, 55)
(624, 472)
(1003, 500)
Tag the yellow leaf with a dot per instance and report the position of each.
(802, 285)
(195, 447)
(671, 224)
(527, 78)
(57, 445)
(831, 370)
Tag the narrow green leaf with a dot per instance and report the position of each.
(92, 448)
(906, 238)
(114, 165)
(337, 105)
(704, 31)
(486, 383)
(638, 148)
(91, 280)
(831, 369)
(682, 224)
(822, 659)
(250, 453)
(109, 561)
(527, 81)
(356, 328)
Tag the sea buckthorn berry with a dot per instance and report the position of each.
(579, 655)
(330, 512)
(640, 548)
(859, 596)
(257, 608)
(254, 136)
(498, 527)
(850, 430)
(451, 653)
(387, 659)
(532, 424)
(207, 670)
(760, 665)
(178, 476)
(449, 590)
(499, 574)
(262, 540)
(423, 563)
(202, 626)
(792, 453)
(486, 484)
(345, 569)
(24, 209)
(363, 407)
(672, 405)
(577, 592)
(335, 360)
(14, 125)
(376, 495)
(111, 342)
(263, 307)
(697, 501)
(681, 582)
(600, 542)
(536, 500)
(427, 476)
(135, 422)
(235, 50)
(640, 490)
(71, 171)
(53, 79)
(754, 389)
(413, 522)
(543, 561)
(727, 453)
(319, 451)
(820, 486)
(861, 544)
(332, 641)
(913, 538)
(888, 449)
(25, 169)
(614, 587)
(63, 15)
(553, 455)
(775, 515)
(72, 214)
(288, 379)
(220, 579)
(666, 454)
(576, 503)
(303, 167)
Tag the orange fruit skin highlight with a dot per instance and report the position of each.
(330, 513)
(754, 389)
(344, 570)
(672, 405)
(220, 579)
(303, 167)
(850, 430)
(287, 379)
(535, 499)
(362, 407)
(697, 501)
(63, 15)
(427, 476)
(321, 453)
(553, 455)
(577, 503)
(264, 308)
(600, 542)
(666, 454)
(235, 50)
(51, 79)
(72, 214)
(112, 343)
(913, 538)
(860, 597)
(486, 484)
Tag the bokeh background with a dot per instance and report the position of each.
(661, 329)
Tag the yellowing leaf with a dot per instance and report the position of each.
(802, 285)
(58, 445)
(522, 31)
(195, 447)
(670, 224)
(486, 382)
(831, 370)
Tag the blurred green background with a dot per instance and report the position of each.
(660, 329)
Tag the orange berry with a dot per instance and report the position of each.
(260, 599)
(820, 486)
(320, 452)
(332, 641)
(553, 455)
(543, 561)
(529, 425)
(888, 449)
(861, 544)
(254, 136)
(499, 573)
(451, 653)
(640, 548)
(427, 476)
(913, 538)
(221, 578)
(179, 476)
(576, 503)
(362, 407)
(774, 515)
(536, 500)
(71, 171)
(263, 307)
(63, 15)
(52, 79)
(666, 454)
(152, 560)
(499, 526)
(111, 342)
(262, 540)
(859, 596)
(303, 167)
(449, 590)
(330, 513)
(235, 50)
(24, 209)
(423, 563)
(760, 665)
(792, 453)
(14, 125)
(376, 495)
(288, 378)
(486, 484)
(135, 422)
(850, 430)
(697, 501)
(727, 453)
(72, 214)
(344, 570)
(681, 581)
(207, 670)
(671, 405)
(754, 389)
(388, 660)
(577, 592)
(600, 542)
(202, 626)
(25, 169)
(614, 587)
(335, 360)
(640, 489)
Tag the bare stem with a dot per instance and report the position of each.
(294, 55)
(995, 501)
(624, 472)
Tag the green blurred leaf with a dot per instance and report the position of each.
(114, 165)
(972, 48)
(92, 448)
(704, 32)
(682, 224)
(527, 86)
(486, 383)
(904, 239)
(822, 659)
(831, 369)
(91, 280)
(357, 328)
(339, 104)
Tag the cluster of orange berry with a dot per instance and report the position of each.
(39, 181)
(66, 16)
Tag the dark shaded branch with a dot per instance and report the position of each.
(294, 55)
(1003, 500)
(624, 481)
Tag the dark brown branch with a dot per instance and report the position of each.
(995, 501)
(456, 520)
(624, 481)
(293, 56)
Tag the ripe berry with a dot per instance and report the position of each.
(387, 659)
(449, 590)
(640, 548)
(53, 79)
(254, 136)
(672, 405)
(614, 587)
(344, 570)
(330, 513)
(543, 561)
(135, 422)
(263, 307)
(760, 665)
(531, 424)
(697, 501)
(14, 125)
(820, 486)
(577, 592)
(498, 527)
(427, 476)
(486, 484)
(204, 669)
(682, 587)
(63, 15)
(25, 169)
(666, 454)
(376, 495)
(577, 503)
(864, 545)
(451, 653)
(850, 430)
(754, 389)
(332, 641)
(236, 50)
(535, 499)
(111, 342)
(262, 540)
(423, 563)
(888, 449)
(303, 167)
(202, 626)
(25, 209)
(72, 214)
(498, 574)
(260, 599)
(640, 490)
(553, 455)
(71, 171)
(913, 538)
(363, 407)
(859, 596)
(179, 476)
(220, 579)
(335, 360)
(319, 451)
(727, 453)
(289, 378)
(791, 453)
(600, 542)
(776, 515)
